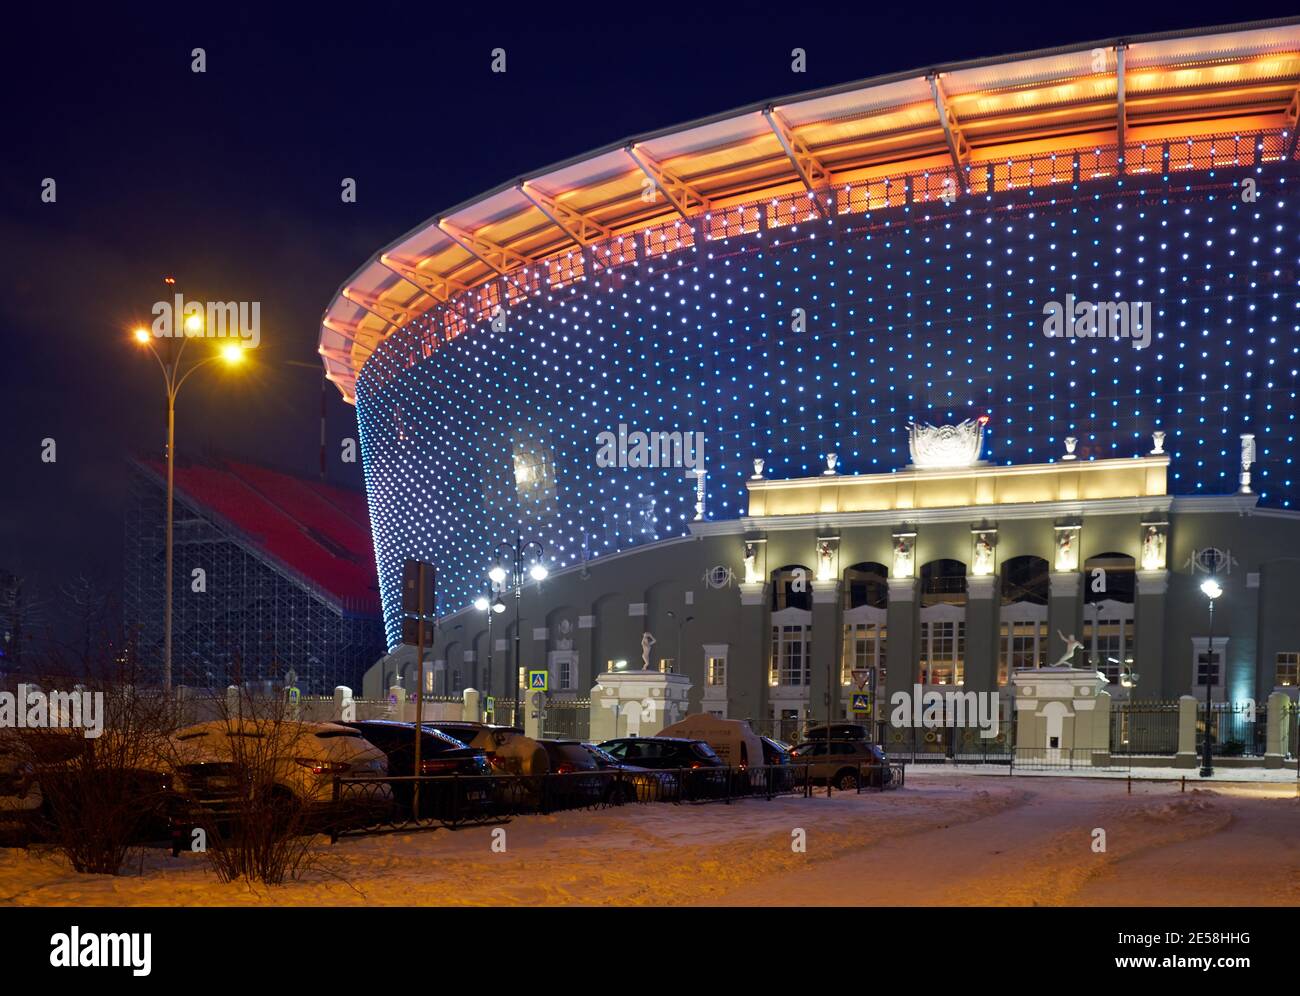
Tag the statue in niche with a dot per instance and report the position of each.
(1065, 559)
(903, 556)
(751, 563)
(1153, 549)
(983, 555)
(824, 566)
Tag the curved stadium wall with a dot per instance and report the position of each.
(917, 305)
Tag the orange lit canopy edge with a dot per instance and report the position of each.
(980, 122)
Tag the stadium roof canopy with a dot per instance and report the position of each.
(1116, 93)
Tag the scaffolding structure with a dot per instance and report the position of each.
(247, 618)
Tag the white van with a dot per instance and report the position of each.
(731, 739)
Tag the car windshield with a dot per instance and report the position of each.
(704, 750)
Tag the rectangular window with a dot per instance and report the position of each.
(943, 652)
(566, 673)
(1109, 643)
(864, 649)
(667, 665)
(1288, 669)
(790, 664)
(716, 672)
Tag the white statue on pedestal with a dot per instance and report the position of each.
(1071, 645)
(751, 568)
(647, 641)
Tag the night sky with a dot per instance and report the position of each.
(230, 180)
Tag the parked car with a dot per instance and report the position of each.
(58, 780)
(300, 761)
(508, 751)
(776, 756)
(580, 777)
(838, 731)
(841, 761)
(440, 754)
(701, 771)
(20, 793)
(647, 784)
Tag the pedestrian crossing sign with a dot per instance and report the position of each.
(861, 704)
(537, 680)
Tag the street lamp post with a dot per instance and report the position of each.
(681, 624)
(498, 575)
(489, 602)
(1212, 590)
(174, 377)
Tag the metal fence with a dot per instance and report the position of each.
(1144, 727)
(381, 803)
(567, 719)
(1236, 729)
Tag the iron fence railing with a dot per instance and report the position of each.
(381, 803)
(1144, 728)
(1237, 729)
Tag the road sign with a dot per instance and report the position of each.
(415, 601)
(537, 680)
(861, 675)
(861, 704)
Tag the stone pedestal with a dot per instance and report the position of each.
(636, 703)
(1186, 756)
(534, 706)
(1278, 721)
(1062, 715)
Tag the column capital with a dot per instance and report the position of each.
(752, 592)
(825, 592)
(902, 589)
(1066, 584)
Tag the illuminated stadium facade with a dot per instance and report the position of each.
(807, 276)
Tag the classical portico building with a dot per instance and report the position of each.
(948, 572)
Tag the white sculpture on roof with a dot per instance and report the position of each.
(935, 446)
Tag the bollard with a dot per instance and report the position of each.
(1130, 784)
(1184, 788)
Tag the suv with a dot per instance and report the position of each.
(440, 754)
(702, 771)
(842, 764)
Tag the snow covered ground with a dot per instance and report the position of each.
(947, 838)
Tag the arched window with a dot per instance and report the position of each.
(1023, 637)
(941, 658)
(866, 598)
(792, 588)
(1108, 620)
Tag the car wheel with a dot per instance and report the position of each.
(847, 781)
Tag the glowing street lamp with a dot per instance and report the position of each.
(514, 556)
(174, 376)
